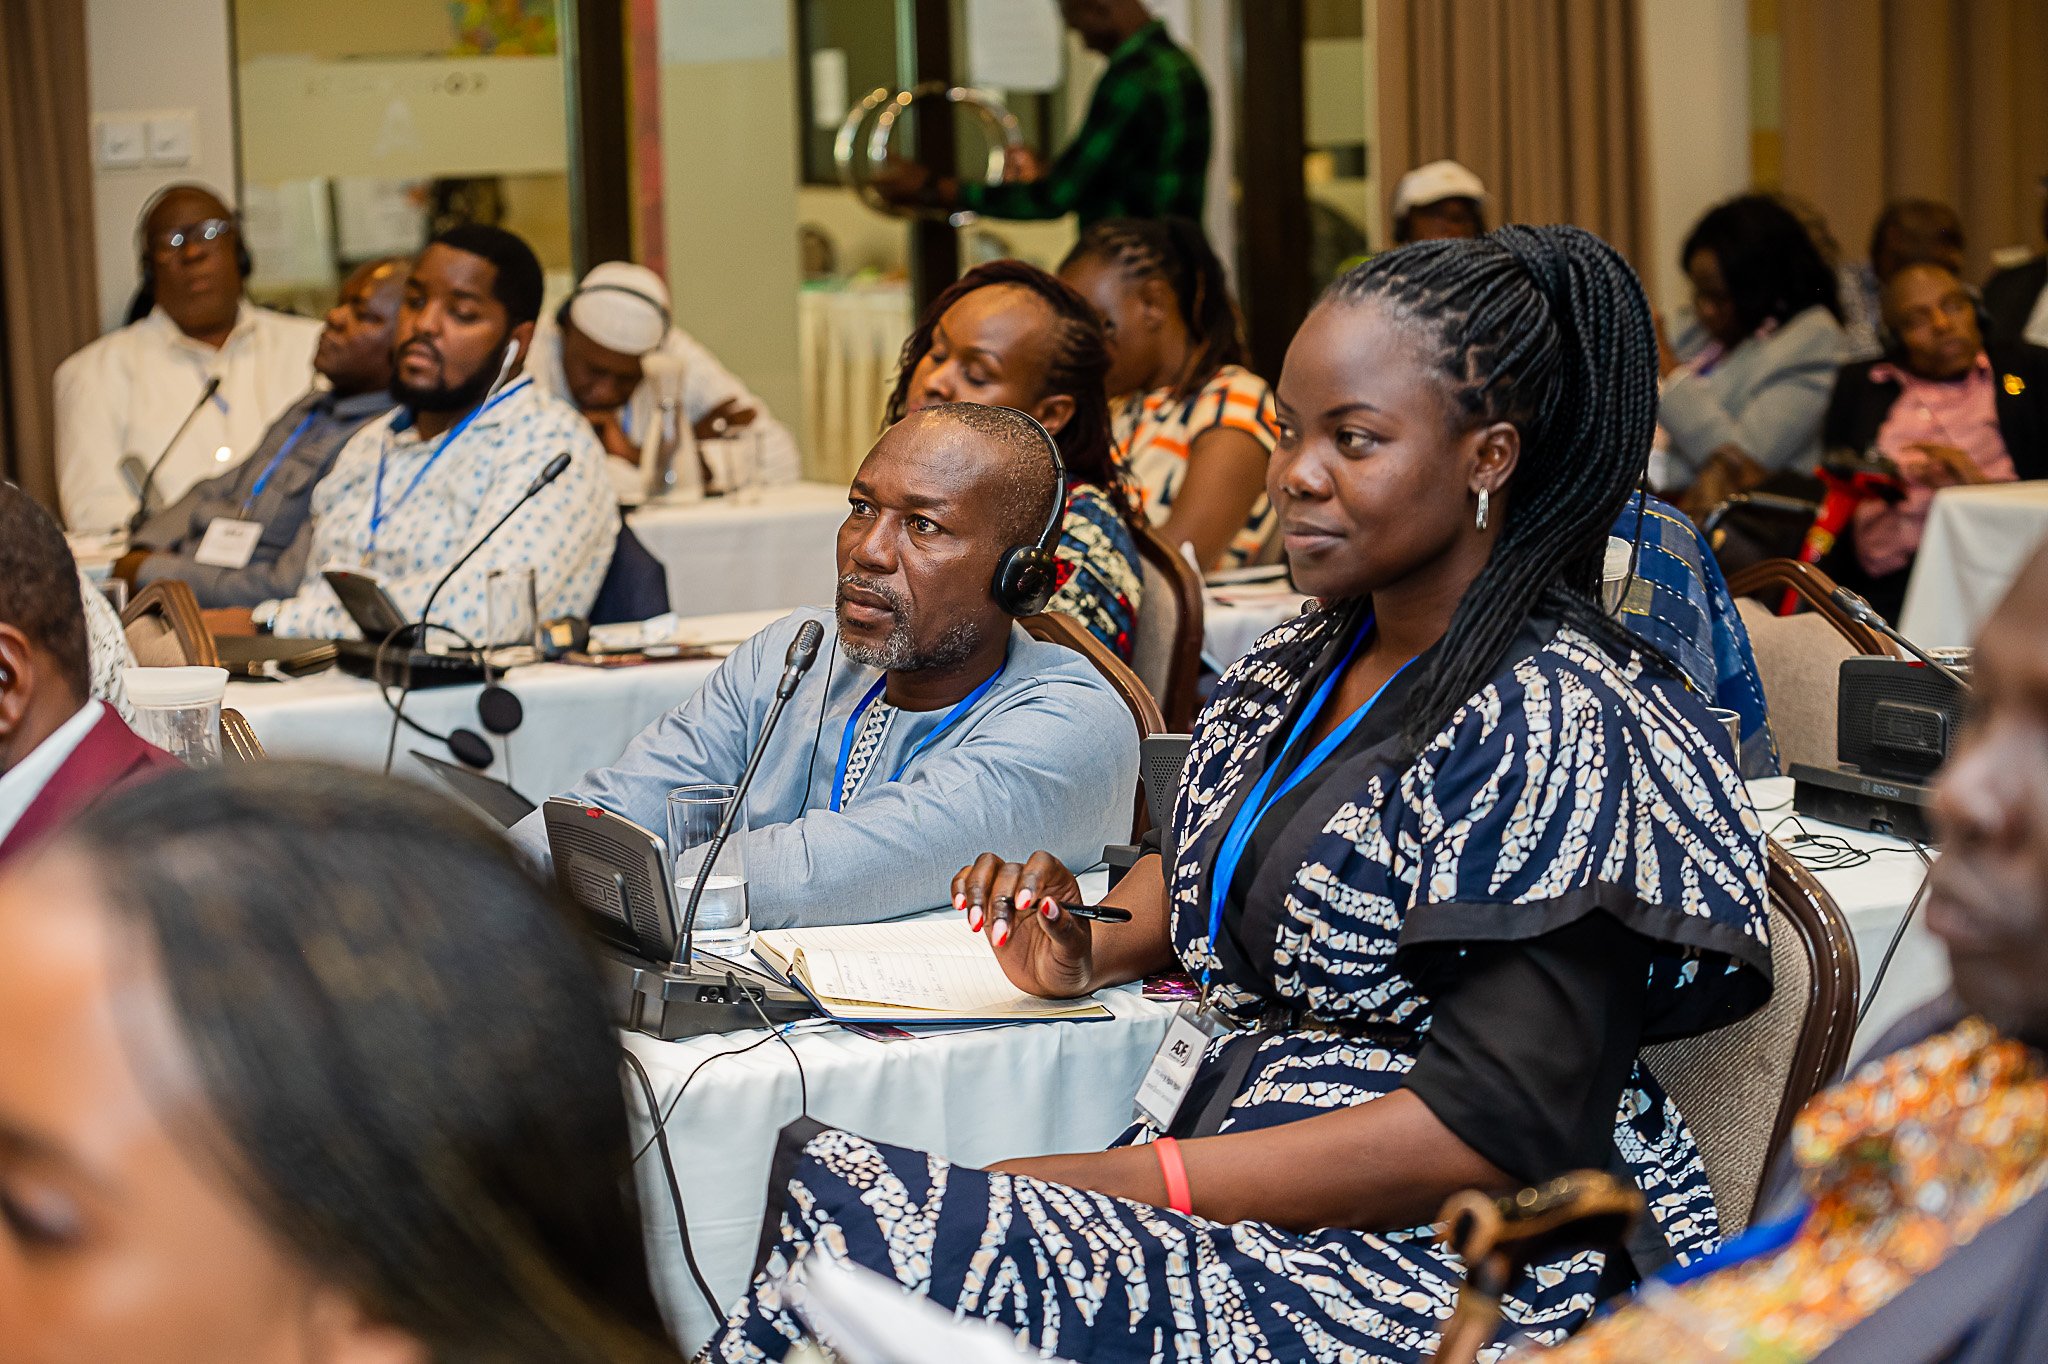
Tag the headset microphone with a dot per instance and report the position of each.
(1028, 575)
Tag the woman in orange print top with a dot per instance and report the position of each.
(1194, 426)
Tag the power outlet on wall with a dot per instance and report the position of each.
(170, 139)
(119, 142)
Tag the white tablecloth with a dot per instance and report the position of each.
(1233, 618)
(1977, 538)
(848, 341)
(776, 552)
(1873, 897)
(1030, 1089)
(575, 718)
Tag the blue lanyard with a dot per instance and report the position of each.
(378, 516)
(263, 479)
(853, 724)
(1239, 836)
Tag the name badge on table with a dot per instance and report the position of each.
(1174, 1065)
(229, 543)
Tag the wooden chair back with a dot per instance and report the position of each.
(1167, 650)
(165, 628)
(1055, 628)
(238, 740)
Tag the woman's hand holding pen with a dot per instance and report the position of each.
(1044, 948)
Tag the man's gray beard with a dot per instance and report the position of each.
(899, 654)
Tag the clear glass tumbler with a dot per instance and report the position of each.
(694, 814)
(511, 617)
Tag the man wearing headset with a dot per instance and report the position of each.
(124, 397)
(612, 351)
(931, 722)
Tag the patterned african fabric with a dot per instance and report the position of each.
(1571, 782)
(1100, 581)
(1141, 152)
(1680, 603)
(1154, 433)
(1902, 1164)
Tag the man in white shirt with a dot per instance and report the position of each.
(415, 489)
(125, 396)
(644, 383)
(60, 750)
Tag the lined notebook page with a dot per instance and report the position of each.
(938, 966)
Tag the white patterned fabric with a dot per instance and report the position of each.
(867, 741)
(565, 534)
(108, 645)
(1569, 783)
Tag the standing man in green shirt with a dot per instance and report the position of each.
(1142, 152)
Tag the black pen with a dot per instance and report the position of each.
(1102, 914)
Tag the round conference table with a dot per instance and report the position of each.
(1976, 541)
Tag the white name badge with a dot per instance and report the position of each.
(1174, 1065)
(229, 543)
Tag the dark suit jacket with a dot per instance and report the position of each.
(1860, 404)
(109, 757)
(2009, 298)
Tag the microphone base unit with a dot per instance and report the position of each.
(660, 1001)
(409, 669)
(1882, 805)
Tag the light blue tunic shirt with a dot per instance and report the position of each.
(1047, 759)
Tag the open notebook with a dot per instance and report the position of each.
(928, 971)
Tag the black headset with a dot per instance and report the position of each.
(562, 313)
(1028, 575)
(243, 261)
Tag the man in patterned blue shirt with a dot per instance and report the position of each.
(412, 491)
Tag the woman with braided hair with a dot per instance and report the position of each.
(1193, 426)
(1008, 334)
(1449, 851)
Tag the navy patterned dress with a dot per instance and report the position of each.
(1570, 783)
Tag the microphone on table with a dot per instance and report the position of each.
(498, 708)
(803, 652)
(149, 479)
(1863, 613)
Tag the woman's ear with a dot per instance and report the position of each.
(1496, 449)
(17, 680)
(1156, 299)
(339, 1331)
(1054, 411)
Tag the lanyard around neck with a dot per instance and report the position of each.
(874, 693)
(263, 479)
(1237, 838)
(378, 516)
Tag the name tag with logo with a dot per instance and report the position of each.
(1173, 1067)
(229, 543)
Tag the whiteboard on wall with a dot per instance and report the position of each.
(414, 119)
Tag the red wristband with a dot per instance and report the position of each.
(1174, 1171)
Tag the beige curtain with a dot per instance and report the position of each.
(1539, 97)
(48, 283)
(1938, 99)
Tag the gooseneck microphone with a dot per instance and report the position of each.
(499, 708)
(803, 652)
(149, 479)
(555, 469)
(1863, 613)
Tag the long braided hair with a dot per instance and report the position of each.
(1077, 368)
(1175, 251)
(1546, 328)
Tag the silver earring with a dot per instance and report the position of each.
(1480, 519)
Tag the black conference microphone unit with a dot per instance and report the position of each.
(1894, 724)
(498, 708)
(803, 652)
(149, 479)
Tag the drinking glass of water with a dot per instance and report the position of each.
(694, 814)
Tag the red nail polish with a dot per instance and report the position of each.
(1002, 932)
(974, 920)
